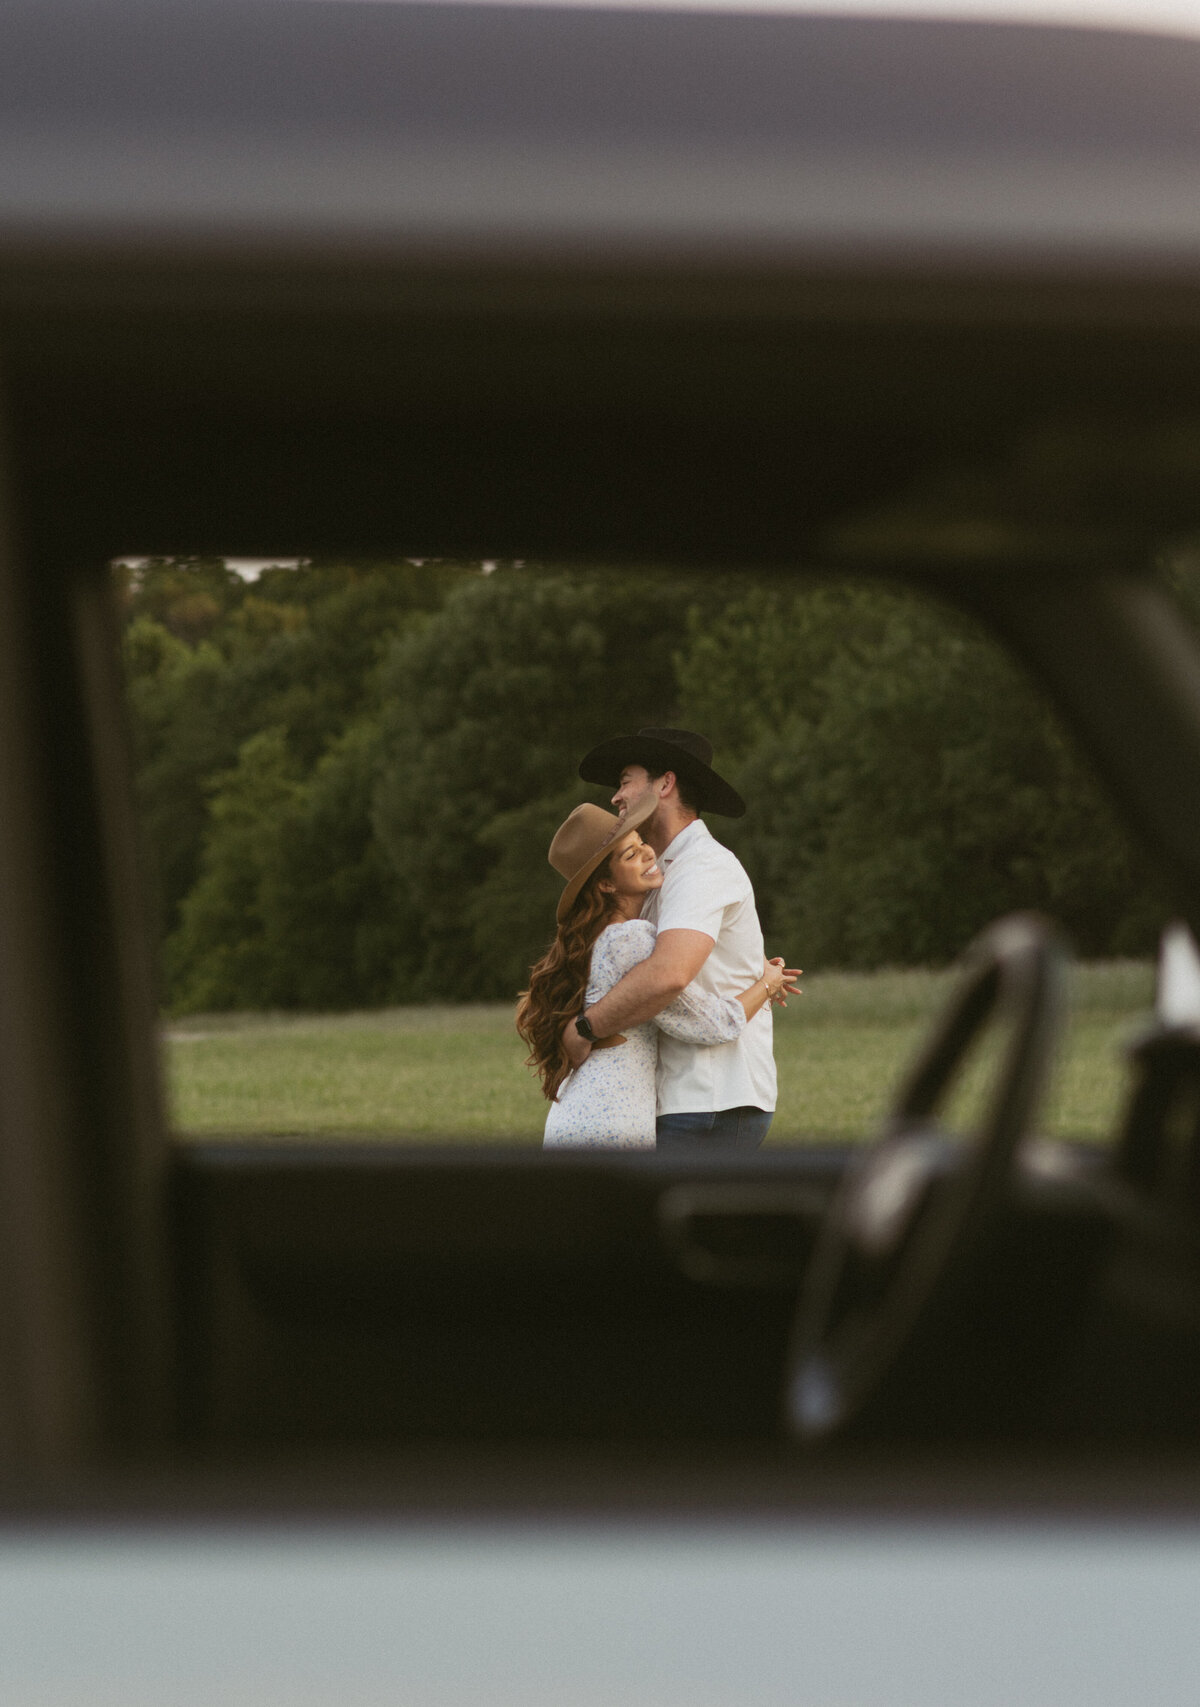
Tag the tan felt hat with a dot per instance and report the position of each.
(587, 838)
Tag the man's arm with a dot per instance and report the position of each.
(646, 990)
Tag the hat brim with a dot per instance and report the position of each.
(605, 763)
(636, 816)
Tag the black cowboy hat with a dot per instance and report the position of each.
(659, 750)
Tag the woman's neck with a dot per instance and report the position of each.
(625, 907)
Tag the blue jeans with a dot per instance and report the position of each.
(727, 1129)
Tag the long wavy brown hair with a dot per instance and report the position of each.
(559, 980)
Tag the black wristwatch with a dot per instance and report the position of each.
(583, 1026)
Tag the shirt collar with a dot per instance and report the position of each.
(694, 832)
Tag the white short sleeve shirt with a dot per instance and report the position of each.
(705, 888)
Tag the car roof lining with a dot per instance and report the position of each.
(504, 128)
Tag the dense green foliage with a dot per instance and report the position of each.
(908, 785)
(349, 775)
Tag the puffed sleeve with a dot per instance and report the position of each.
(697, 1016)
(618, 949)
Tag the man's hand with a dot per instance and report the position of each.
(577, 1048)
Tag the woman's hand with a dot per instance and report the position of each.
(780, 981)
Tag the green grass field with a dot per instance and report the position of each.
(457, 1073)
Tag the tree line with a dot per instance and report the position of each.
(348, 774)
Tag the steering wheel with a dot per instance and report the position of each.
(908, 1230)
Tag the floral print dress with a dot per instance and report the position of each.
(609, 1103)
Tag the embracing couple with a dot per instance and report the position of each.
(649, 1017)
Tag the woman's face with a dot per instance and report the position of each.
(632, 870)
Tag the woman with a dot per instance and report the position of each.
(609, 1102)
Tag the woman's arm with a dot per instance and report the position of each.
(697, 1016)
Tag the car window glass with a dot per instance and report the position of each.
(348, 777)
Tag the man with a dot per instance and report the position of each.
(708, 930)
